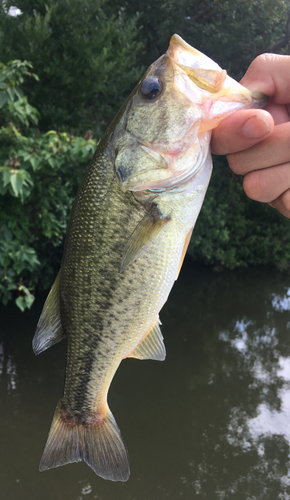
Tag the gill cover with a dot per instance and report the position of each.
(160, 143)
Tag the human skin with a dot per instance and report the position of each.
(257, 142)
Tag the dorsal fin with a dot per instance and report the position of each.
(49, 330)
(151, 346)
(145, 231)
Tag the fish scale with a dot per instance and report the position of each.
(127, 236)
(134, 283)
(104, 267)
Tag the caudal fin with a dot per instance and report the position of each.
(96, 441)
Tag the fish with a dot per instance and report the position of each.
(128, 232)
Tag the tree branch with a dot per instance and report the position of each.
(281, 43)
(203, 12)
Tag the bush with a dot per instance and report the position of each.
(39, 176)
(87, 61)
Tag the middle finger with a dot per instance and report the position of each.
(266, 185)
(274, 150)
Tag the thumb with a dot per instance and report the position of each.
(241, 130)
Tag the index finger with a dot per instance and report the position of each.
(270, 74)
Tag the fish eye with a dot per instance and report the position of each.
(151, 88)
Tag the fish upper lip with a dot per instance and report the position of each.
(194, 63)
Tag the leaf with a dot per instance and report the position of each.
(51, 132)
(6, 177)
(11, 94)
(19, 93)
(3, 99)
(16, 183)
(34, 162)
(24, 301)
(51, 161)
(20, 302)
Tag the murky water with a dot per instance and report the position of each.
(211, 422)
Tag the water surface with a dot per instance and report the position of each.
(210, 422)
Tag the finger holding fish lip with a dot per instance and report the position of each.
(266, 167)
(270, 74)
(241, 131)
(268, 153)
(257, 142)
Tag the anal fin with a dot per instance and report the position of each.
(49, 330)
(184, 250)
(145, 231)
(151, 346)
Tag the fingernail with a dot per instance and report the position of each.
(256, 127)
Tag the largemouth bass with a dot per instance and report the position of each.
(127, 236)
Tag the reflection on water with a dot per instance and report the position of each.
(211, 422)
(86, 490)
(281, 302)
(7, 370)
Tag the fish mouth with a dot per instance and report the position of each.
(209, 95)
(211, 80)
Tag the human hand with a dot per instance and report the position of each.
(257, 142)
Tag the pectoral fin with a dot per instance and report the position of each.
(146, 230)
(49, 329)
(151, 346)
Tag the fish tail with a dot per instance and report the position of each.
(96, 440)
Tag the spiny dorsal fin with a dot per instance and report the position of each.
(151, 346)
(49, 330)
(145, 231)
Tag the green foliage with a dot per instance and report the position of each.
(231, 230)
(11, 77)
(232, 32)
(39, 176)
(87, 61)
(88, 55)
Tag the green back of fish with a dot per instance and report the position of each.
(102, 220)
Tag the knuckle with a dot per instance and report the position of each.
(261, 61)
(285, 199)
(236, 163)
(253, 186)
(258, 61)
